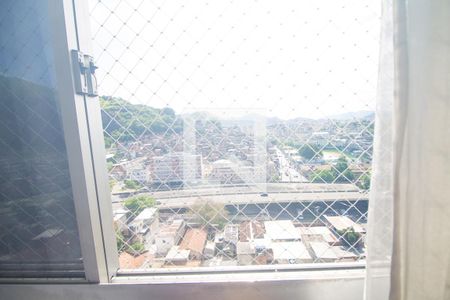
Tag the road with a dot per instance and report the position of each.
(236, 195)
(288, 172)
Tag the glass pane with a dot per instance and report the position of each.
(237, 132)
(38, 230)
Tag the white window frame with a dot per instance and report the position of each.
(95, 180)
(81, 120)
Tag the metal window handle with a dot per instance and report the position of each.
(83, 68)
(92, 79)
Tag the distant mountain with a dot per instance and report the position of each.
(362, 114)
(250, 119)
(199, 115)
(125, 122)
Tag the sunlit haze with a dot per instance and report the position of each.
(286, 59)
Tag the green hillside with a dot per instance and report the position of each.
(124, 122)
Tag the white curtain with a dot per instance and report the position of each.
(409, 207)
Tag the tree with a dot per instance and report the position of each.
(120, 241)
(136, 248)
(209, 213)
(132, 184)
(350, 237)
(112, 183)
(346, 176)
(138, 203)
(341, 171)
(124, 121)
(168, 111)
(323, 176)
(309, 151)
(364, 182)
(341, 164)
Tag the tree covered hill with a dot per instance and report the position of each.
(124, 122)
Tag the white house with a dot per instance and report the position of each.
(146, 224)
(169, 235)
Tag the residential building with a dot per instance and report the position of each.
(344, 255)
(318, 234)
(209, 251)
(342, 223)
(118, 171)
(290, 253)
(176, 167)
(128, 261)
(146, 223)
(194, 240)
(226, 241)
(282, 230)
(224, 172)
(177, 256)
(245, 252)
(231, 233)
(120, 220)
(322, 252)
(139, 174)
(250, 230)
(169, 235)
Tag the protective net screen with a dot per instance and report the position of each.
(237, 132)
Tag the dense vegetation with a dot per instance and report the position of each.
(339, 173)
(132, 184)
(135, 248)
(310, 151)
(138, 203)
(124, 122)
(209, 214)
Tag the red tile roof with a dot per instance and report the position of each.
(194, 240)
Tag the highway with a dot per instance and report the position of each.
(237, 195)
(256, 198)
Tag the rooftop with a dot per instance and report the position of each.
(245, 248)
(128, 261)
(281, 230)
(344, 254)
(194, 240)
(251, 230)
(146, 214)
(290, 250)
(343, 223)
(118, 216)
(323, 251)
(171, 229)
(176, 254)
(231, 233)
(322, 232)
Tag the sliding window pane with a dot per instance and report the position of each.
(38, 229)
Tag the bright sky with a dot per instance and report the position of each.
(285, 58)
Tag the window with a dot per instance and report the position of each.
(228, 137)
(238, 133)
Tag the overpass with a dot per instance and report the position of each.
(256, 198)
(269, 193)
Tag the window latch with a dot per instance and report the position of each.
(83, 67)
